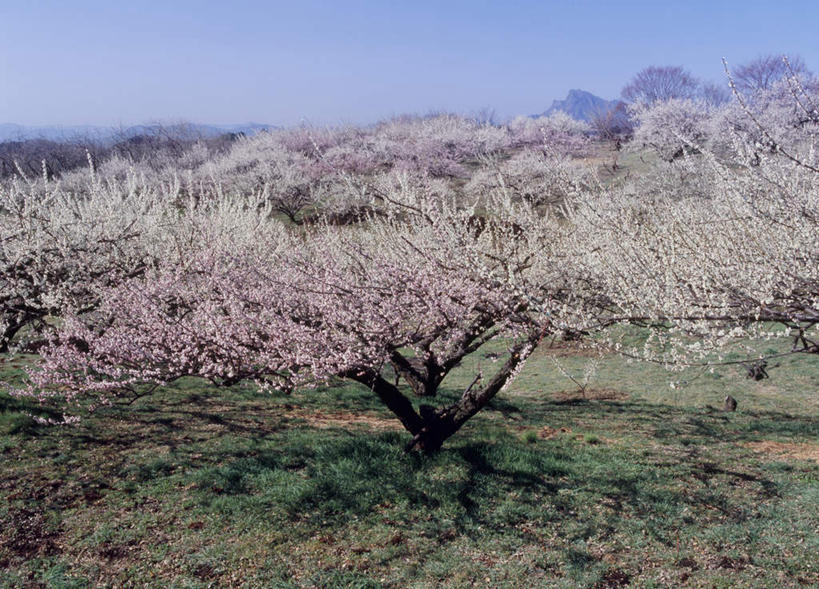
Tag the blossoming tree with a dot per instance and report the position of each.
(403, 295)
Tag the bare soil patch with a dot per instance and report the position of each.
(590, 395)
(548, 433)
(328, 419)
(804, 451)
(26, 533)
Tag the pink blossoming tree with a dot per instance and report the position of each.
(403, 295)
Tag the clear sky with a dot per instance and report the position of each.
(117, 62)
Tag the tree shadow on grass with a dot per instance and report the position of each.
(506, 408)
(345, 476)
(256, 455)
(17, 416)
(484, 488)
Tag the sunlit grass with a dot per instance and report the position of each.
(652, 486)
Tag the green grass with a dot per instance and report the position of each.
(636, 484)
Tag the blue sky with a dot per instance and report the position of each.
(117, 62)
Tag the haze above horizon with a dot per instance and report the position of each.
(104, 63)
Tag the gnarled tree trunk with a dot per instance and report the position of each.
(431, 427)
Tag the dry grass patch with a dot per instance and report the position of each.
(795, 451)
(602, 394)
(330, 419)
(549, 433)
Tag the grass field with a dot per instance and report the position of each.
(632, 484)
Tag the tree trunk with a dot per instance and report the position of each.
(393, 398)
(431, 427)
(423, 377)
(8, 334)
(440, 425)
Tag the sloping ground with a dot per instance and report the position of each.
(200, 488)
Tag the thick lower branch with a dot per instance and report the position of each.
(12, 329)
(390, 396)
(5, 338)
(423, 376)
(425, 373)
(442, 424)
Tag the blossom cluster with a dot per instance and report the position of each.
(302, 255)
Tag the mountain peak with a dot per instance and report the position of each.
(581, 105)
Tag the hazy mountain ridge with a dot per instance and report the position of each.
(14, 132)
(580, 105)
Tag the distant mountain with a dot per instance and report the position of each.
(13, 132)
(190, 130)
(580, 105)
